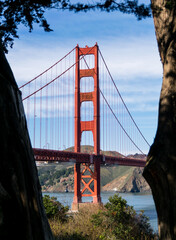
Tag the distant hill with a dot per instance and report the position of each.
(136, 155)
(90, 149)
(59, 177)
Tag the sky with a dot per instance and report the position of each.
(128, 46)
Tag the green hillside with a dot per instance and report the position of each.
(56, 177)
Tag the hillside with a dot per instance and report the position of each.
(130, 181)
(56, 177)
(90, 149)
(60, 177)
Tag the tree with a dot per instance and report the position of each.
(26, 12)
(22, 214)
(21, 211)
(160, 170)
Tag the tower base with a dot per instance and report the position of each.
(86, 205)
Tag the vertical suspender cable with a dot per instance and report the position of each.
(46, 122)
(34, 115)
(41, 115)
(68, 140)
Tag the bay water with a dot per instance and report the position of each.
(137, 200)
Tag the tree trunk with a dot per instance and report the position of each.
(22, 215)
(160, 170)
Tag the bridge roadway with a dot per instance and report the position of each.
(64, 156)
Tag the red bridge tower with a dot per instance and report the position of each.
(80, 126)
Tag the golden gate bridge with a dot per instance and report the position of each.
(76, 102)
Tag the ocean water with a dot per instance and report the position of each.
(137, 200)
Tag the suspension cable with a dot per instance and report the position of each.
(56, 77)
(123, 100)
(124, 105)
(47, 69)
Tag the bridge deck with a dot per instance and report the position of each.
(64, 156)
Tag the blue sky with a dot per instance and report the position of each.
(128, 46)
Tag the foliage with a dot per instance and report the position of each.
(78, 226)
(55, 209)
(115, 221)
(121, 222)
(30, 12)
(26, 12)
(126, 6)
(170, 4)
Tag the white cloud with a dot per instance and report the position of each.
(133, 57)
(28, 61)
(127, 58)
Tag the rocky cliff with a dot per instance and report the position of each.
(131, 181)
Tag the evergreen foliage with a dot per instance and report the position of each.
(55, 209)
(31, 12)
(121, 222)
